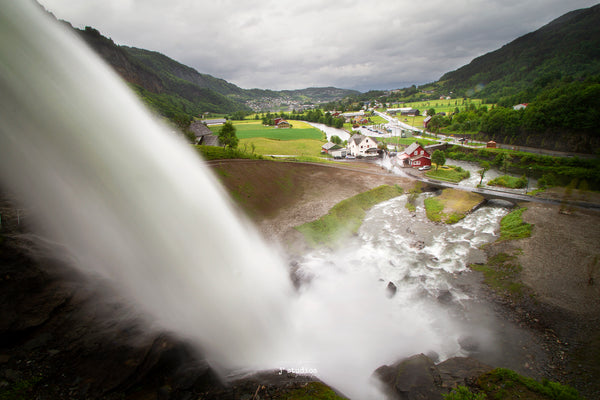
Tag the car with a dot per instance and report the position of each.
(425, 168)
(350, 157)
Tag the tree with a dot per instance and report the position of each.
(227, 135)
(335, 139)
(438, 158)
(485, 167)
(506, 162)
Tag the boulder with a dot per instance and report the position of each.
(458, 371)
(413, 378)
(391, 289)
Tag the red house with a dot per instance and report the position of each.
(414, 156)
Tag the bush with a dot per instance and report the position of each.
(513, 227)
(509, 182)
(463, 393)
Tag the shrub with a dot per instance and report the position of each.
(463, 393)
(513, 227)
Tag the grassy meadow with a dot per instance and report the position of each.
(298, 147)
(299, 140)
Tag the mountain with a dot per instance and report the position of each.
(176, 98)
(171, 68)
(567, 47)
(180, 93)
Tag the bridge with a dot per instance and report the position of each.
(514, 198)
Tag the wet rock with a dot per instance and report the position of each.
(469, 343)
(413, 378)
(419, 244)
(461, 371)
(391, 289)
(435, 357)
(445, 297)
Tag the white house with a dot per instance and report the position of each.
(363, 146)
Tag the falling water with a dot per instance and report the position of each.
(130, 202)
(135, 205)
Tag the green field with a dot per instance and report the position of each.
(298, 147)
(254, 129)
(440, 105)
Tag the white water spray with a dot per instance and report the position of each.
(130, 201)
(135, 205)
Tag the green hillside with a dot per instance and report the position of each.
(180, 93)
(568, 47)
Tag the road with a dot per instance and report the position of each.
(396, 125)
(501, 194)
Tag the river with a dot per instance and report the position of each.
(437, 308)
(331, 131)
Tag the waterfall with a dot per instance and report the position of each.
(134, 205)
(130, 201)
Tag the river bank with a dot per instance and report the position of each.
(55, 329)
(561, 307)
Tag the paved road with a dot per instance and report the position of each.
(503, 195)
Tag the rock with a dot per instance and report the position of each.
(445, 297)
(413, 378)
(435, 357)
(12, 376)
(461, 371)
(391, 289)
(469, 343)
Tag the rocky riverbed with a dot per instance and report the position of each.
(62, 336)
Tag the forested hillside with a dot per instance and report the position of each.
(180, 93)
(568, 47)
(158, 84)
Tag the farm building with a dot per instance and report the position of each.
(491, 144)
(414, 156)
(362, 146)
(209, 140)
(409, 112)
(329, 146)
(199, 130)
(218, 121)
(426, 121)
(282, 124)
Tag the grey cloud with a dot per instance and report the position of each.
(283, 44)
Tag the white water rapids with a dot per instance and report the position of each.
(135, 205)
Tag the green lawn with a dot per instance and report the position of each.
(254, 129)
(298, 147)
(448, 173)
(345, 218)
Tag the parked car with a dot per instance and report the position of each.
(350, 157)
(425, 167)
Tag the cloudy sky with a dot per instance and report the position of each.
(294, 44)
